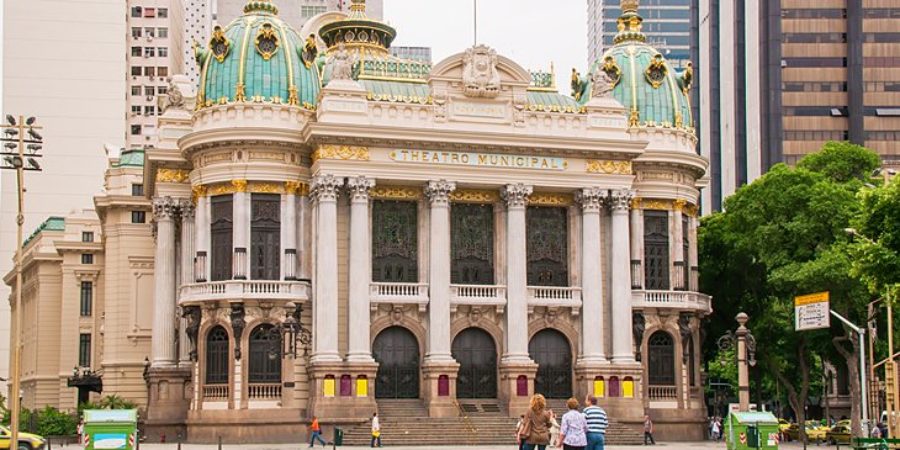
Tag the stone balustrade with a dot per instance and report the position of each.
(406, 293)
(554, 296)
(682, 300)
(477, 294)
(245, 290)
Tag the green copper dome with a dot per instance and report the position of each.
(257, 58)
(653, 93)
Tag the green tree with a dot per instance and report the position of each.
(782, 236)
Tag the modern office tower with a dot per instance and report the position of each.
(666, 25)
(294, 12)
(155, 30)
(422, 54)
(63, 64)
(779, 78)
(197, 27)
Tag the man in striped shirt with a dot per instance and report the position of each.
(596, 424)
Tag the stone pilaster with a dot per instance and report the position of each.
(637, 244)
(621, 278)
(360, 269)
(165, 210)
(593, 322)
(289, 231)
(187, 274)
(677, 244)
(325, 190)
(516, 196)
(241, 230)
(201, 267)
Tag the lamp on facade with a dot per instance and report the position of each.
(86, 381)
(290, 336)
(19, 152)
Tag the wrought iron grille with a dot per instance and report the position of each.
(221, 229)
(395, 241)
(547, 246)
(217, 356)
(265, 366)
(472, 244)
(656, 249)
(265, 236)
(476, 354)
(551, 351)
(397, 353)
(661, 356)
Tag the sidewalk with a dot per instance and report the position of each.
(703, 445)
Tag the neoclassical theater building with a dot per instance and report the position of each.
(334, 227)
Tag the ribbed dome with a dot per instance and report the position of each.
(256, 58)
(645, 84)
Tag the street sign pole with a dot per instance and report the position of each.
(862, 370)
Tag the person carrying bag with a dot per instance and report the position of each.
(536, 432)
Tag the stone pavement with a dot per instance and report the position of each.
(703, 445)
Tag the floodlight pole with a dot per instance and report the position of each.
(864, 404)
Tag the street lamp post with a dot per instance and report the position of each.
(19, 153)
(744, 343)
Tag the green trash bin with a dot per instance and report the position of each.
(338, 436)
(110, 429)
(751, 431)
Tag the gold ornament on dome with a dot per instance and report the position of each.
(611, 67)
(657, 71)
(687, 78)
(172, 175)
(219, 44)
(474, 196)
(550, 199)
(607, 166)
(266, 41)
(396, 193)
(344, 152)
(629, 6)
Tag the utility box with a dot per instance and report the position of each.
(110, 429)
(751, 431)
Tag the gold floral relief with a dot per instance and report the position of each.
(261, 187)
(239, 185)
(172, 175)
(474, 196)
(266, 41)
(198, 191)
(344, 152)
(396, 193)
(296, 187)
(636, 203)
(678, 205)
(220, 189)
(607, 166)
(655, 203)
(551, 199)
(691, 210)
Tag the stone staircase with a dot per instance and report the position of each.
(618, 433)
(406, 422)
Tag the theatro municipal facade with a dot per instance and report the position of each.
(334, 227)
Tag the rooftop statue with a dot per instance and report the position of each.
(480, 76)
(341, 64)
(601, 84)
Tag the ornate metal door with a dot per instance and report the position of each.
(656, 249)
(395, 241)
(471, 244)
(661, 359)
(547, 230)
(221, 226)
(476, 354)
(397, 353)
(551, 351)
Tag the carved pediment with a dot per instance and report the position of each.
(478, 72)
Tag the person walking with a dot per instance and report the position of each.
(716, 429)
(520, 427)
(573, 430)
(597, 423)
(316, 430)
(536, 432)
(648, 431)
(376, 430)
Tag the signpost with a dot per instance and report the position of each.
(811, 311)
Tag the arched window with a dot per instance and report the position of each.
(661, 355)
(217, 356)
(265, 355)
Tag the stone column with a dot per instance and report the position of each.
(677, 244)
(742, 357)
(325, 310)
(516, 196)
(241, 230)
(637, 244)
(187, 274)
(360, 269)
(438, 193)
(163, 339)
(593, 321)
(289, 231)
(201, 266)
(693, 256)
(623, 350)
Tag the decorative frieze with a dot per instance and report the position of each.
(608, 166)
(591, 199)
(239, 185)
(551, 199)
(396, 193)
(325, 187)
(438, 192)
(516, 195)
(474, 196)
(172, 175)
(296, 187)
(359, 187)
(342, 152)
(197, 192)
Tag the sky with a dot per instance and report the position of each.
(533, 33)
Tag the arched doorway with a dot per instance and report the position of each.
(265, 355)
(551, 351)
(476, 353)
(397, 353)
(661, 359)
(217, 359)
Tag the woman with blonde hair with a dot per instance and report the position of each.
(536, 432)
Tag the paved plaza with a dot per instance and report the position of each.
(703, 445)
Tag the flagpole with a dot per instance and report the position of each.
(475, 20)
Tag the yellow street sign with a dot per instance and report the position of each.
(812, 311)
(818, 297)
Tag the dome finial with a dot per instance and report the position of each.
(260, 6)
(629, 23)
(357, 9)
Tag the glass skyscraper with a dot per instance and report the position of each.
(667, 25)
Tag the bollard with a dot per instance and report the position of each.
(220, 442)
(179, 445)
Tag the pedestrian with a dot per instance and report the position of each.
(648, 431)
(573, 430)
(715, 429)
(554, 430)
(376, 430)
(597, 423)
(876, 432)
(536, 432)
(316, 430)
(520, 427)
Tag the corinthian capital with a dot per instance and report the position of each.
(620, 200)
(516, 195)
(165, 208)
(439, 191)
(187, 209)
(591, 199)
(325, 187)
(359, 187)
